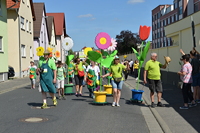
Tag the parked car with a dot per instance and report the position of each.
(11, 72)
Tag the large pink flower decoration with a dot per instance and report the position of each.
(102, 40)
(113, 45)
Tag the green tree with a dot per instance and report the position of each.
(71, 52)
(126, 41)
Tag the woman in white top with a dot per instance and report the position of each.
(93, 72)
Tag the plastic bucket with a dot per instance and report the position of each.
(68, 88)
(137, 94)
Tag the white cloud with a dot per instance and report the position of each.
(85, 16)
(135, 1)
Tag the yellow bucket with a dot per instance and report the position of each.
(108, 89)
(100, 96)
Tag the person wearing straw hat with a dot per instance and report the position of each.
(117, 80)
(47, 69)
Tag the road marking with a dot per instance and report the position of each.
(13, 88)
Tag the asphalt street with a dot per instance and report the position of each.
(74, 115)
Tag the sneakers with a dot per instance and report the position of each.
(59, 97)
(64, 98)
(153, 105)
(193, 105)
(55, 101)
(160, 104)
(136, 78)
(115, 104)
(184, 107)
(44, 106)
(76, 94)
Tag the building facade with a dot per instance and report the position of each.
(3, 41)
(164, 15)
(20, 35)
(60, 28)
(41, 38)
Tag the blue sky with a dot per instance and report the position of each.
(86, 18)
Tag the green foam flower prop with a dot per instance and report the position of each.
(68, 59)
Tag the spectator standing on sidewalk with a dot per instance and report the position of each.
(127, 70)
(136, 67)
(186, 77)
(47, 69)
(117, 80)
(152, 68)
(131, 66)
(32, 73)
(61, 73)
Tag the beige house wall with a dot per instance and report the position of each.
(53, 39)
(25, 35)
(13, 41)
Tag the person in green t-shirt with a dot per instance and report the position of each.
(152, 68)
(117, 80)
(47, 69)
(60, 80)
(32, 74)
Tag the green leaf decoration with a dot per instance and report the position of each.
(88, 61)
(107, 62)
(113, 53)
(94, 56)
(104, 53)
(41, 58)
(136, 53)
(68, 59)
(144, 52)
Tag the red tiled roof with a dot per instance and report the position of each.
(59, 19)
(13, 4)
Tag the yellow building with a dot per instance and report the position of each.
(20, 35)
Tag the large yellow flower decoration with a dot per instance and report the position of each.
(40, 51)
(50, 49)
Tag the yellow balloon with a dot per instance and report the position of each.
(86, 50)
(125, 56)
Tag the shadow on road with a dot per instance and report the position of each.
(35, 104)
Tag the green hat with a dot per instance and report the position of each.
(46, 52)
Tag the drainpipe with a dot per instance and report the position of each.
(20, 56)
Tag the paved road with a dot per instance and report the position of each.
(74, 115)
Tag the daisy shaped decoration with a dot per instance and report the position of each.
(40, 51)
(102, 40)
(113, 45)
(67, 43)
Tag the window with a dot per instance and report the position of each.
(196, 7)
(27, 2)
(163, 33)
(42, 36)
(31, 52)
(22, 23)
(23, 50)
(1, 43)
(168, 21)
(0, 8)
(155, 36)
(180, 10)
(30, 27)
(27, 26)
(163, 22)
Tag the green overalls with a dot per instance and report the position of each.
(46, 79)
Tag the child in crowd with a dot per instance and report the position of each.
(32, 74)
(60, 80)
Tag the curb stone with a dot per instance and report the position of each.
(159, 119)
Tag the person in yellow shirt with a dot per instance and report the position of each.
(117, 80)
(136, 67)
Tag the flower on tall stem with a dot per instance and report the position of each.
(40, 51)
(144, 32)
(113, 45)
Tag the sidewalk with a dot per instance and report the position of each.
(10, 85)
(170, 117)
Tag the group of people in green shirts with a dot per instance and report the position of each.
(52, 76)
